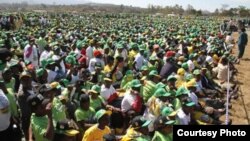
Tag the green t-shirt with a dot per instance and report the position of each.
(80, 114)
(58, 111)
(143, 138)
(12, 100)
(39, 126)
(148, 90)
(96, 103)
(160, 137)
(11, 84)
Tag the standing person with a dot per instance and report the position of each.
(31, 52)
(97, 131)
(41, 125)
(242, 42)
(25, 90)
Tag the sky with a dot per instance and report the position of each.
(210, 5)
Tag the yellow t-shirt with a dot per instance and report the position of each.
(95, 134)
(130, 135)
(107, 69)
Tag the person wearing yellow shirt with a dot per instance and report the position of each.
(97, 131)
(138, 129)
(110, 64)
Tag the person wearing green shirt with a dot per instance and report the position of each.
(10, 95)
(58, 110)
(8, 79)
(127, 78)
(41, 120)
(96, 101)
(84, 115)
(163, 129)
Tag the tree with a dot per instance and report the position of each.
(216, 12)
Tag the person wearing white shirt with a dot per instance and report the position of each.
(89, 53)
(94, 61)
(184, 114)
(46, 54)
(107, 90)
(4, 112)
(139, 60)
(31, 53)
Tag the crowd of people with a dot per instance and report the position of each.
(110, 77)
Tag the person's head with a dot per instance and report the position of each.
(107, 82)
(144, 70)
(140, 125)
(197, 74)
(97, 54)
(47, 91)
(154, 76)
(156, 48)
(7, 75)
(41, 75)
(162, 94)
(102, 116)
(135, 86)
(164, 125)
(66, 130)
(119, 48)
(95, 91)
(25, 79)
(57, 50)
(188, 106)
(84, 102)
(38, 104)
(182, 93)
(191, 85)
(47, 48)
(243, 30)
(224, 61)
(171, 82)
(110, 60)
(32, 40)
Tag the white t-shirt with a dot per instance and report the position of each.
(89, 53)
(183, 118)
(4, 117)
(140, 60)
(127, 101)
(92, 63)
(51, 76)
(107, 92)
(45, 55)
(33, 57)
(190, 65)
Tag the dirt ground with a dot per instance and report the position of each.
(240, 112)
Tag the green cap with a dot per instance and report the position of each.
(189, 77)
(65, 82)
(95, 89)
(119, 46)
(160, 85)
(171, 78)
(129, 72)
(161, 92)
(99, 114)
(153, 73)
(144, 68)
(184, 65)
(167, 111)
(135, 83)
(50, 61)
(40, 72)
(197, 72)
(181, 91)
